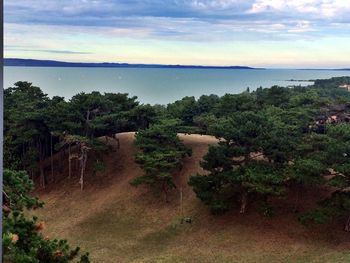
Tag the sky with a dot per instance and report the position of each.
(260, 33)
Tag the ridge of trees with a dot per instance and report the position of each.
(37, 127)
(271, 140)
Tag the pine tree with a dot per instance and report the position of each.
(160, 156)
(242, 168)
(22, 237)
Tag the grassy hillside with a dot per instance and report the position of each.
(117, 222)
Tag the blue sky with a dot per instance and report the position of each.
(267, 33)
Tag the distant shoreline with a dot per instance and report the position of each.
(335, 69)
(17, 62)
(301, 80)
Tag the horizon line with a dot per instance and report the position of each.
(121, 64)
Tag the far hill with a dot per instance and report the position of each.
(18, 62)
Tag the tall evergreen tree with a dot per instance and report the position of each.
(247, 165)
(160, 155)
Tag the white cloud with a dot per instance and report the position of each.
(220, 4)
(325, 8)
(94, 24)
(301, 27)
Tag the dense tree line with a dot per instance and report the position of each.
(271, 142)
(36, 127)
(274, 140)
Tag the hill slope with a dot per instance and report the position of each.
(117, 222)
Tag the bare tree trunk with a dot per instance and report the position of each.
(77, 165)
(87, 123)
(83, 157)
(81, 180)
(165, 191)
(298, 193)
(52, 177)
(60, 161)
(69, 162)
(181, 204)
(42, 174)
(41, 165)
(347, 226)
(83, 164)
(244, 199)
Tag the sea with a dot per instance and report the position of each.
(160, 85)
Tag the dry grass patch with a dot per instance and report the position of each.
(117, 222)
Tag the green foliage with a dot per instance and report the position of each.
(274, 96)
(331, 83)
(204, 122)
(99, 167)
(336, 205)
(280, 125)
(22, 239)
(308, 171)
(231, 103)
(144, 115)
(184, 110)
(16, 189)
(336, 155)
(25, 129)
(235, 174)
(161, 153)
(36, 126)
(270, 140)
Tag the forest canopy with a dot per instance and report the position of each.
(270, 141)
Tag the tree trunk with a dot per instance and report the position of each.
(69, 162)
(83, 165)
(76, 165)
(42, 174)
(60, 161)
(52, 177)
(118, 142)
(81, 180)
(244, 199)
(298, 197)
(181, 204)
(87, 123)
(347, 226)
(165, 191)
(41, 165)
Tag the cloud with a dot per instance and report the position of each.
(302, 26)
(179, 15)
(318, 8)
(54, 51)
(77, 27)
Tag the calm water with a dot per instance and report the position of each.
(158, 85)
